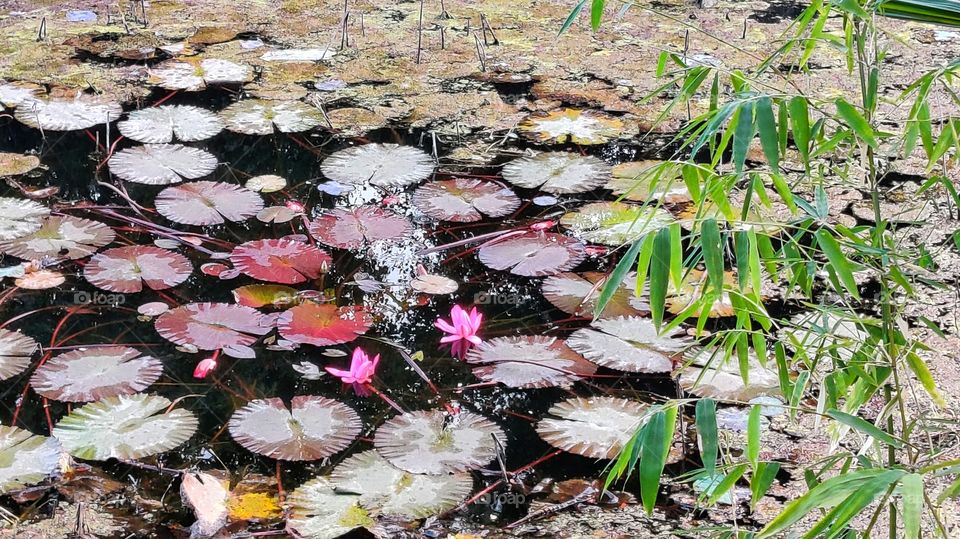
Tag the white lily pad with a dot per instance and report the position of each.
(192, 77)
(382, 165)
(630, 344)
(124, 427)
(164, 124)
(597, 427)
(264, 117)
(319, 511)
(19, 217)
(559, 173)
(25, 458)
(96, 373)
(16, 351)
(162, 164)
(431, 442)
(60, 237)
(82, 112)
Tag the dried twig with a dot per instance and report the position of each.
(480, 52)
(420, 33)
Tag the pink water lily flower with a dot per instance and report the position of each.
(205, 367)
(462, 329)
(361, 371)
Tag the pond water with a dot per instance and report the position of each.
(77, 314)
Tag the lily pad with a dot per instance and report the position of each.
(197, 76)
(16, 349)
(596, 428)
(208, 203)
(630, 344)
(465, 200)
(644, 181)
(264, 117)
(25, 458)
(19, 217)
(382, 165)
(559, 173)
(95, 373)
(162, 164)
(267, 183)
(127, 269)
(711, 375)
(125, 427)
(214, 326)
(313, 428)
(574, 125)
(577, 294)
(529, 362)
(352, 228)
(434, 284)
(615, 223)
(60, 237)
(388, 490)
(280, 261)
(15, 164)
(82, 112)
(166, 123)
(533, 254)
(430, 442)
(14, 93)
(323, 324)
(691, 289)
(40, 280)
(262, 295)
(319, 511)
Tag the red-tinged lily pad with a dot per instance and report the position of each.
(577, 294)
(313, 428)
(214, 326)
(280, 261)
(352, 228)
(263, 295)
(60, 237)
(127, 269)
(323, 324)
(208, 203)
(529, 362)
(533, 254)
(40, 280)
(465, 200)
(16, 349)
(95, 373)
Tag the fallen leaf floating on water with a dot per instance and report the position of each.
(214, 326)
(431, 442)
(381, 165)
(559, 173)
(16, 351)
(577, 126)
(311, 429)
(596, 428)
(126, 427)
(26, 458)
(577, 294)
(128, 269)
(95, 373)
(166, 123)
(15, 164)
(40, 280)
(434, 284)
(161, 164)
(82, 112)
(280, 261)
(465, 200)
(207, 497)
(263, 117)
(529, 362)
(60, 237)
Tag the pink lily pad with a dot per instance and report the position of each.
(96, 373)
(465, 200)
(352, 228)
(322, 324)
(208, 203)
(214, 326)
(127, 269)
(533, 254)
(280, 261)
(528, 362)
(60, 237)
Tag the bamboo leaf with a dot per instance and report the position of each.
(920, 370)
(865, 427)
(800, 120)
(762, 479)
(838, 263)
(659, 274)
(657, 438)
(706, 420)
(769, 137)
(616, 277)
(857, 122)
(911, 489)
(743, 136)
(753, 437)
(712, 255)
(596, 13)
(572, 16)
(726, 484)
